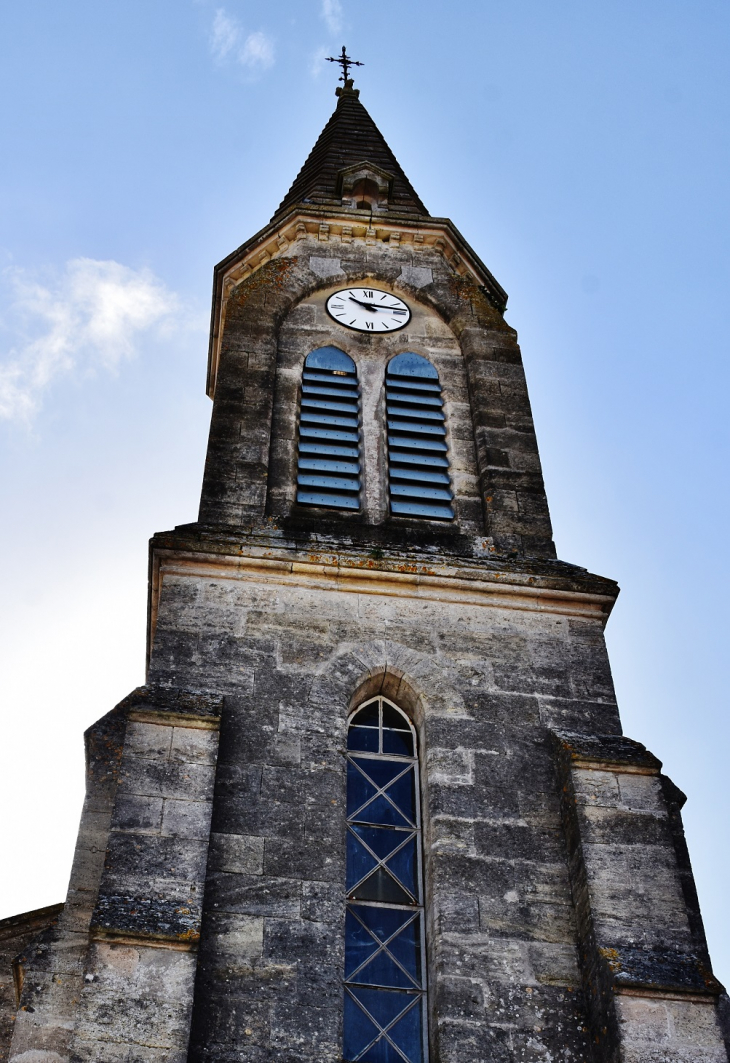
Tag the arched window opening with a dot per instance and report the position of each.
(328, 470)
(385, 956)
(418, 464)
(365, 194)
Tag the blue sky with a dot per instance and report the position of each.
(581, 148)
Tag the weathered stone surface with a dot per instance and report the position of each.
(608, 749)
(638, 935)
(175, 918)
(205, 915)
(24, 940)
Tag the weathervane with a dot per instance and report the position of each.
(345, 62)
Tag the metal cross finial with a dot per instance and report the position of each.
(345, 62)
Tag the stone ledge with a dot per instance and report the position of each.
(174, 704)
(604, 752)
(29, 922)
(658, 970)
(385, 549)
(147, 920)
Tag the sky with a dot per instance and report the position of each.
(581, 148)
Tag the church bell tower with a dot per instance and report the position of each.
(374, 802)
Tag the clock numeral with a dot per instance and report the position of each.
(396, 311)
(368, 324)
(367, 294)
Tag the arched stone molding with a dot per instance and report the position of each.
(421, 686)
(307, 327)
(239, 454)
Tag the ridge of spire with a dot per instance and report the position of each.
(350, 138)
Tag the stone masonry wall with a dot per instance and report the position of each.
(19, 934)
(242, 454)
(484, 686)
(646, 970)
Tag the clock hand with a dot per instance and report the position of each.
(368, 306)
(372, 306)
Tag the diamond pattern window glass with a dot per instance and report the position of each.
(328, 470)
(385, 976)
(418, 463)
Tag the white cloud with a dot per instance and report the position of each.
(257, 51)
(225, 34)
(332, 15)
(227, 41)
(92, 314)
(318, 61)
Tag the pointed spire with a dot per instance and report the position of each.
(349, 139)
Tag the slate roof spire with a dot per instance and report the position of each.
(349, 139)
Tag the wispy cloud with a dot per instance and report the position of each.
(332, 15)
(229, 42)
(318, 60)
(257, 51)
(224, 36)
(93, 314)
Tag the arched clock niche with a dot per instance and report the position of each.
(402, 325)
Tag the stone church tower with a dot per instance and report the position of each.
(374, 802)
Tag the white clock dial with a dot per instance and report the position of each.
(368, 310)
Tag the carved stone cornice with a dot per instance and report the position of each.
(448, 584)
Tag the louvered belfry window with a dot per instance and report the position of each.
(418, 463)
(385, 960)
(328, 471)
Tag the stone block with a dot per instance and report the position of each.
(194, 745)
(295, 940)
(239, 854)
(135, 813)
(186, 819)
(151, 778)
(254, 895)
(238, 937)
(147, 740)
(136, 857)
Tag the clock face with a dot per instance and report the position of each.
(368, 310)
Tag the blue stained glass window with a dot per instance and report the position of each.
(385, 986)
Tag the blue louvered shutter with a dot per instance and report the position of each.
(328, 470)
(418, 462)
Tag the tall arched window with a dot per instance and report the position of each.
(328, 470)
(385, 961)
(418, 464)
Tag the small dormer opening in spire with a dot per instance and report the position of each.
(365, 186)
